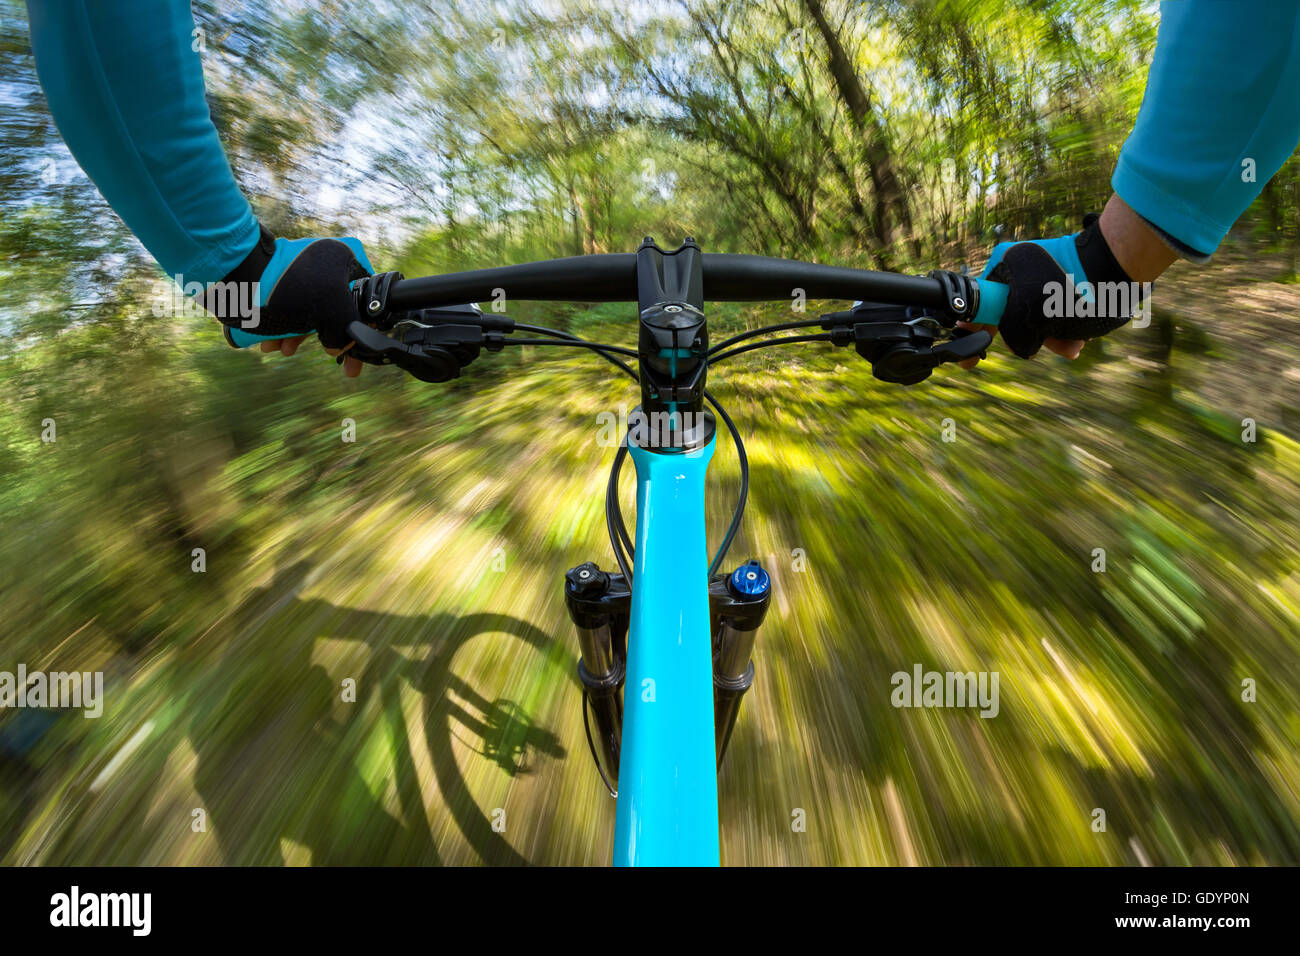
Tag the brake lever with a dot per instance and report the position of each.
(375, 348)
(907, 363)
(900, 343)
(414, 353)
(965, 344)
(433, 345)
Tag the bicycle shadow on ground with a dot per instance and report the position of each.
(278, 767)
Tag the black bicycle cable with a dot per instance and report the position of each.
(618, 536)
(782, 327)
(569, 337)
(598, 347)
(620, 540)
(618, 512)
(823, 337)
(591, 744)
(614, 517)
(627, 574)
(739, 511)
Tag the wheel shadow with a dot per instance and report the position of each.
(279, 772)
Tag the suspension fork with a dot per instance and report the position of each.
(737, 604)
(599, 603)
(601, 607)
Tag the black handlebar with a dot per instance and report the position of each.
(727, 278)
(437, 334)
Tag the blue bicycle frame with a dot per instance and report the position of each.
(667, 811)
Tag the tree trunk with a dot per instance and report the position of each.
(575, 216)
(893, 221)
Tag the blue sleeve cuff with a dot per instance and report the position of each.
(1179, 226)
(220, 260)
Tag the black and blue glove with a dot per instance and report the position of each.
(298, 286)
(1068, 288)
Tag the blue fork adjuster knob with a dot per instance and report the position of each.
(750, 580)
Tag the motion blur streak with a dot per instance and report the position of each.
(375, 665)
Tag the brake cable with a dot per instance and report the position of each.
(411, 356)
(603, 351)
(903, 344)
(819, 337)
(614, 516)
(591, 745)
(744, 485)
(619, 539)
(781, 327)
(581, 343)
(618, 536)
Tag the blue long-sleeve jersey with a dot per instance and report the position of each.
(1220, 116)
(125, 86)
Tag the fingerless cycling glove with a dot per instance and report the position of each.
(302, 286)
(1070, 287)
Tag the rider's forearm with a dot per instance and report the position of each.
(1220, 115)
(1137, 247)
(125, 87)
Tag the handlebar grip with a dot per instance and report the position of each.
(242, 338)
(993, 301)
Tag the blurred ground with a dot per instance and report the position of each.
(378, 560)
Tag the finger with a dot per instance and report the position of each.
(352, 366)
(271, 345)
(289, 346)
(992, 330)
(1067, 348)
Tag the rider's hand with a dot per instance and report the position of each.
(351, 367)
(303, 285)
(1063, 292)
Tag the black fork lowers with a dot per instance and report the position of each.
(737, 604)
(599, 603)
